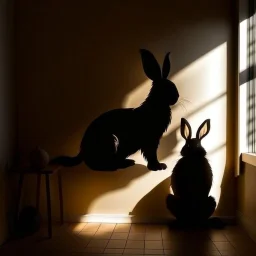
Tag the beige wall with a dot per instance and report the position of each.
(77, 60)
(7, 128)
(246, 199)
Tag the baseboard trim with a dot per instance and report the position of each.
(247, 224)
(126, 218)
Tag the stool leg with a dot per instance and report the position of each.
(60, 198)
(21, 178)
(38, 189)
(48, 195)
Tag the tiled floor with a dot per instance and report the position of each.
(136, 239)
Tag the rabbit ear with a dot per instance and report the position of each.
(203, 129)
(166, 66)
(150, 65)
(185, 129)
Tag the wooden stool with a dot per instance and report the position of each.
(50, 169)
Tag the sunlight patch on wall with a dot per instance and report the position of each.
(243, 118)
(203, 83)
(107, 218)
(243, 67)
(122, 201)
(200, 82)
(243, 49)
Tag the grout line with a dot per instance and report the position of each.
(92, 236)
(97, 229)
(224, 250)
(83, 227)
(125, 244)
(106, 246)
(162, 240)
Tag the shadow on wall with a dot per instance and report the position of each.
(115, 135)
(156, 198)
(170, 141)
(214, 106)
(113, 194)
(68, 64)
(79, 67)
(160, 188)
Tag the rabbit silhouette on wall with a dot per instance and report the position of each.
(119, 133)
(191, 179)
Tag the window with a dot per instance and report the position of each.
(247, 84)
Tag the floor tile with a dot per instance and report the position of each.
(119, 235)
(77, 227)
(94, 250)
(88, 235)
(113, 251)
(153, 236)
(96, 239)
(132, 244)
(98, 243)
(229, 253)
(155, 228)
(136, 236)
(133, 251)
(214, 253)
(138, 228)
(107, 227)
(218, 237)
(169, 245)
(154, 245)
(153, 252)
(122, 228)
(224, 246)
(102, 235)
(91, 227)
(116, 244)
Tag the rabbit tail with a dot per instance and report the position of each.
(67, 161)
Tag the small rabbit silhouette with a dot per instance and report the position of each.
(119, 133)
(191, 179)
